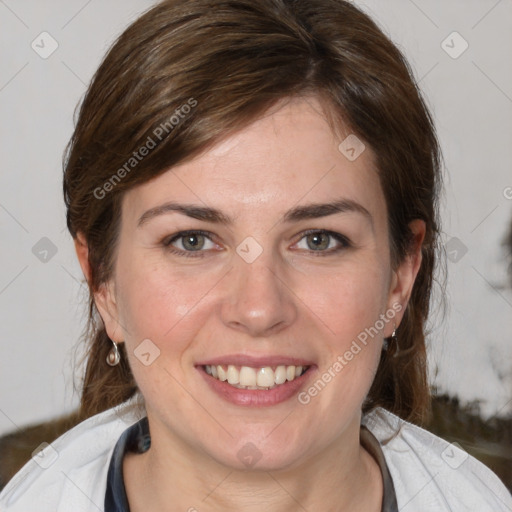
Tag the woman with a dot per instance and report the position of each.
(252, 190)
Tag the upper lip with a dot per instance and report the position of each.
(255, 361)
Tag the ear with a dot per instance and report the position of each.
(403, 277)
(104, 297)
(82, 252)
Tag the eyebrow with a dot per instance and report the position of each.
(309, 211)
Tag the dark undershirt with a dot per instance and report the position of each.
(136, 439)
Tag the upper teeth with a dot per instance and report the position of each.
(247, 377)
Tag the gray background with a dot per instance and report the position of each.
(42, 296)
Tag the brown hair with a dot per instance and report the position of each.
(231, 60)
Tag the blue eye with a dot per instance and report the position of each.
(196, 243)
(322, 241)
(189, 242)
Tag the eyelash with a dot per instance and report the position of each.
(341, 239)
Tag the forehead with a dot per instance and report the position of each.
(288, 156)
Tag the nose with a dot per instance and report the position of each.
(259, 302)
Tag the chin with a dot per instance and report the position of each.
(258, 454)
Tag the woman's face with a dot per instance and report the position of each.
(265, 256)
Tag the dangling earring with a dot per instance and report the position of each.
(394, 339)
(113, 356)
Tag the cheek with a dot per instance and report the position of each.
(165, 307)
(349, 304)
(350, 301)
(157, 301)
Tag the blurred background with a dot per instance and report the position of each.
(461, 54)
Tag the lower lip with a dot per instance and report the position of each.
(256, 397)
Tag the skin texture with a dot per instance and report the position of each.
(289, 301)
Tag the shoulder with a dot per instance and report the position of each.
(431, 474)
(72, 470)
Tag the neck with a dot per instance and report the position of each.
(342, 477)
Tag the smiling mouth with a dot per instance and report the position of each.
(261, 378)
